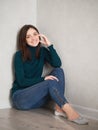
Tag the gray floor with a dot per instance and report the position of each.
(38, 119)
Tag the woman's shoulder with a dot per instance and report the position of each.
(17, 54)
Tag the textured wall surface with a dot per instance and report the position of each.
(13, 15)
(72, 26)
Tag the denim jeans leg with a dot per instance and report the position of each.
(55, 93)
(37, 95)
(59, 73)
(59, 87)
(31, 97)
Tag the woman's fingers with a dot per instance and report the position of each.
(51, 77)
(44, 39)
(55, 78)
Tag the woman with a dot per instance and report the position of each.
(31, 90)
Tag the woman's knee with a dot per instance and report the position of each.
(59, 70)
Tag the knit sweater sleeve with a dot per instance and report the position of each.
(21, 80)
(52, 57)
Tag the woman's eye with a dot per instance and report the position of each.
(30, 36)
(27, 37)
(35, 34)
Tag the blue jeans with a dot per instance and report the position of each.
(37, 95)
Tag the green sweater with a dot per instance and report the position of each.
(28, 73)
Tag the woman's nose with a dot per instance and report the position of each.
(32, 37)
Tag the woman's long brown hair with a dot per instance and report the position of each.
(22, 44)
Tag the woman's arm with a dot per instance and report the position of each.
(51, 55)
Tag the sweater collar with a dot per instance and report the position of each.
(32, 48)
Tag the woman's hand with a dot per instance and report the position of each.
(44, 40)
(51, 77)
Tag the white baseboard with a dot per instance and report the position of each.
(4, 105)
(87, 112)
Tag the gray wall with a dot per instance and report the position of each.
(13, 15)
(72, 26)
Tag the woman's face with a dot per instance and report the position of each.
(32, 37)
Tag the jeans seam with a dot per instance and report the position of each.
(58, 97)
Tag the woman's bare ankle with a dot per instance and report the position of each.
(57, 108)
(70, 112)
